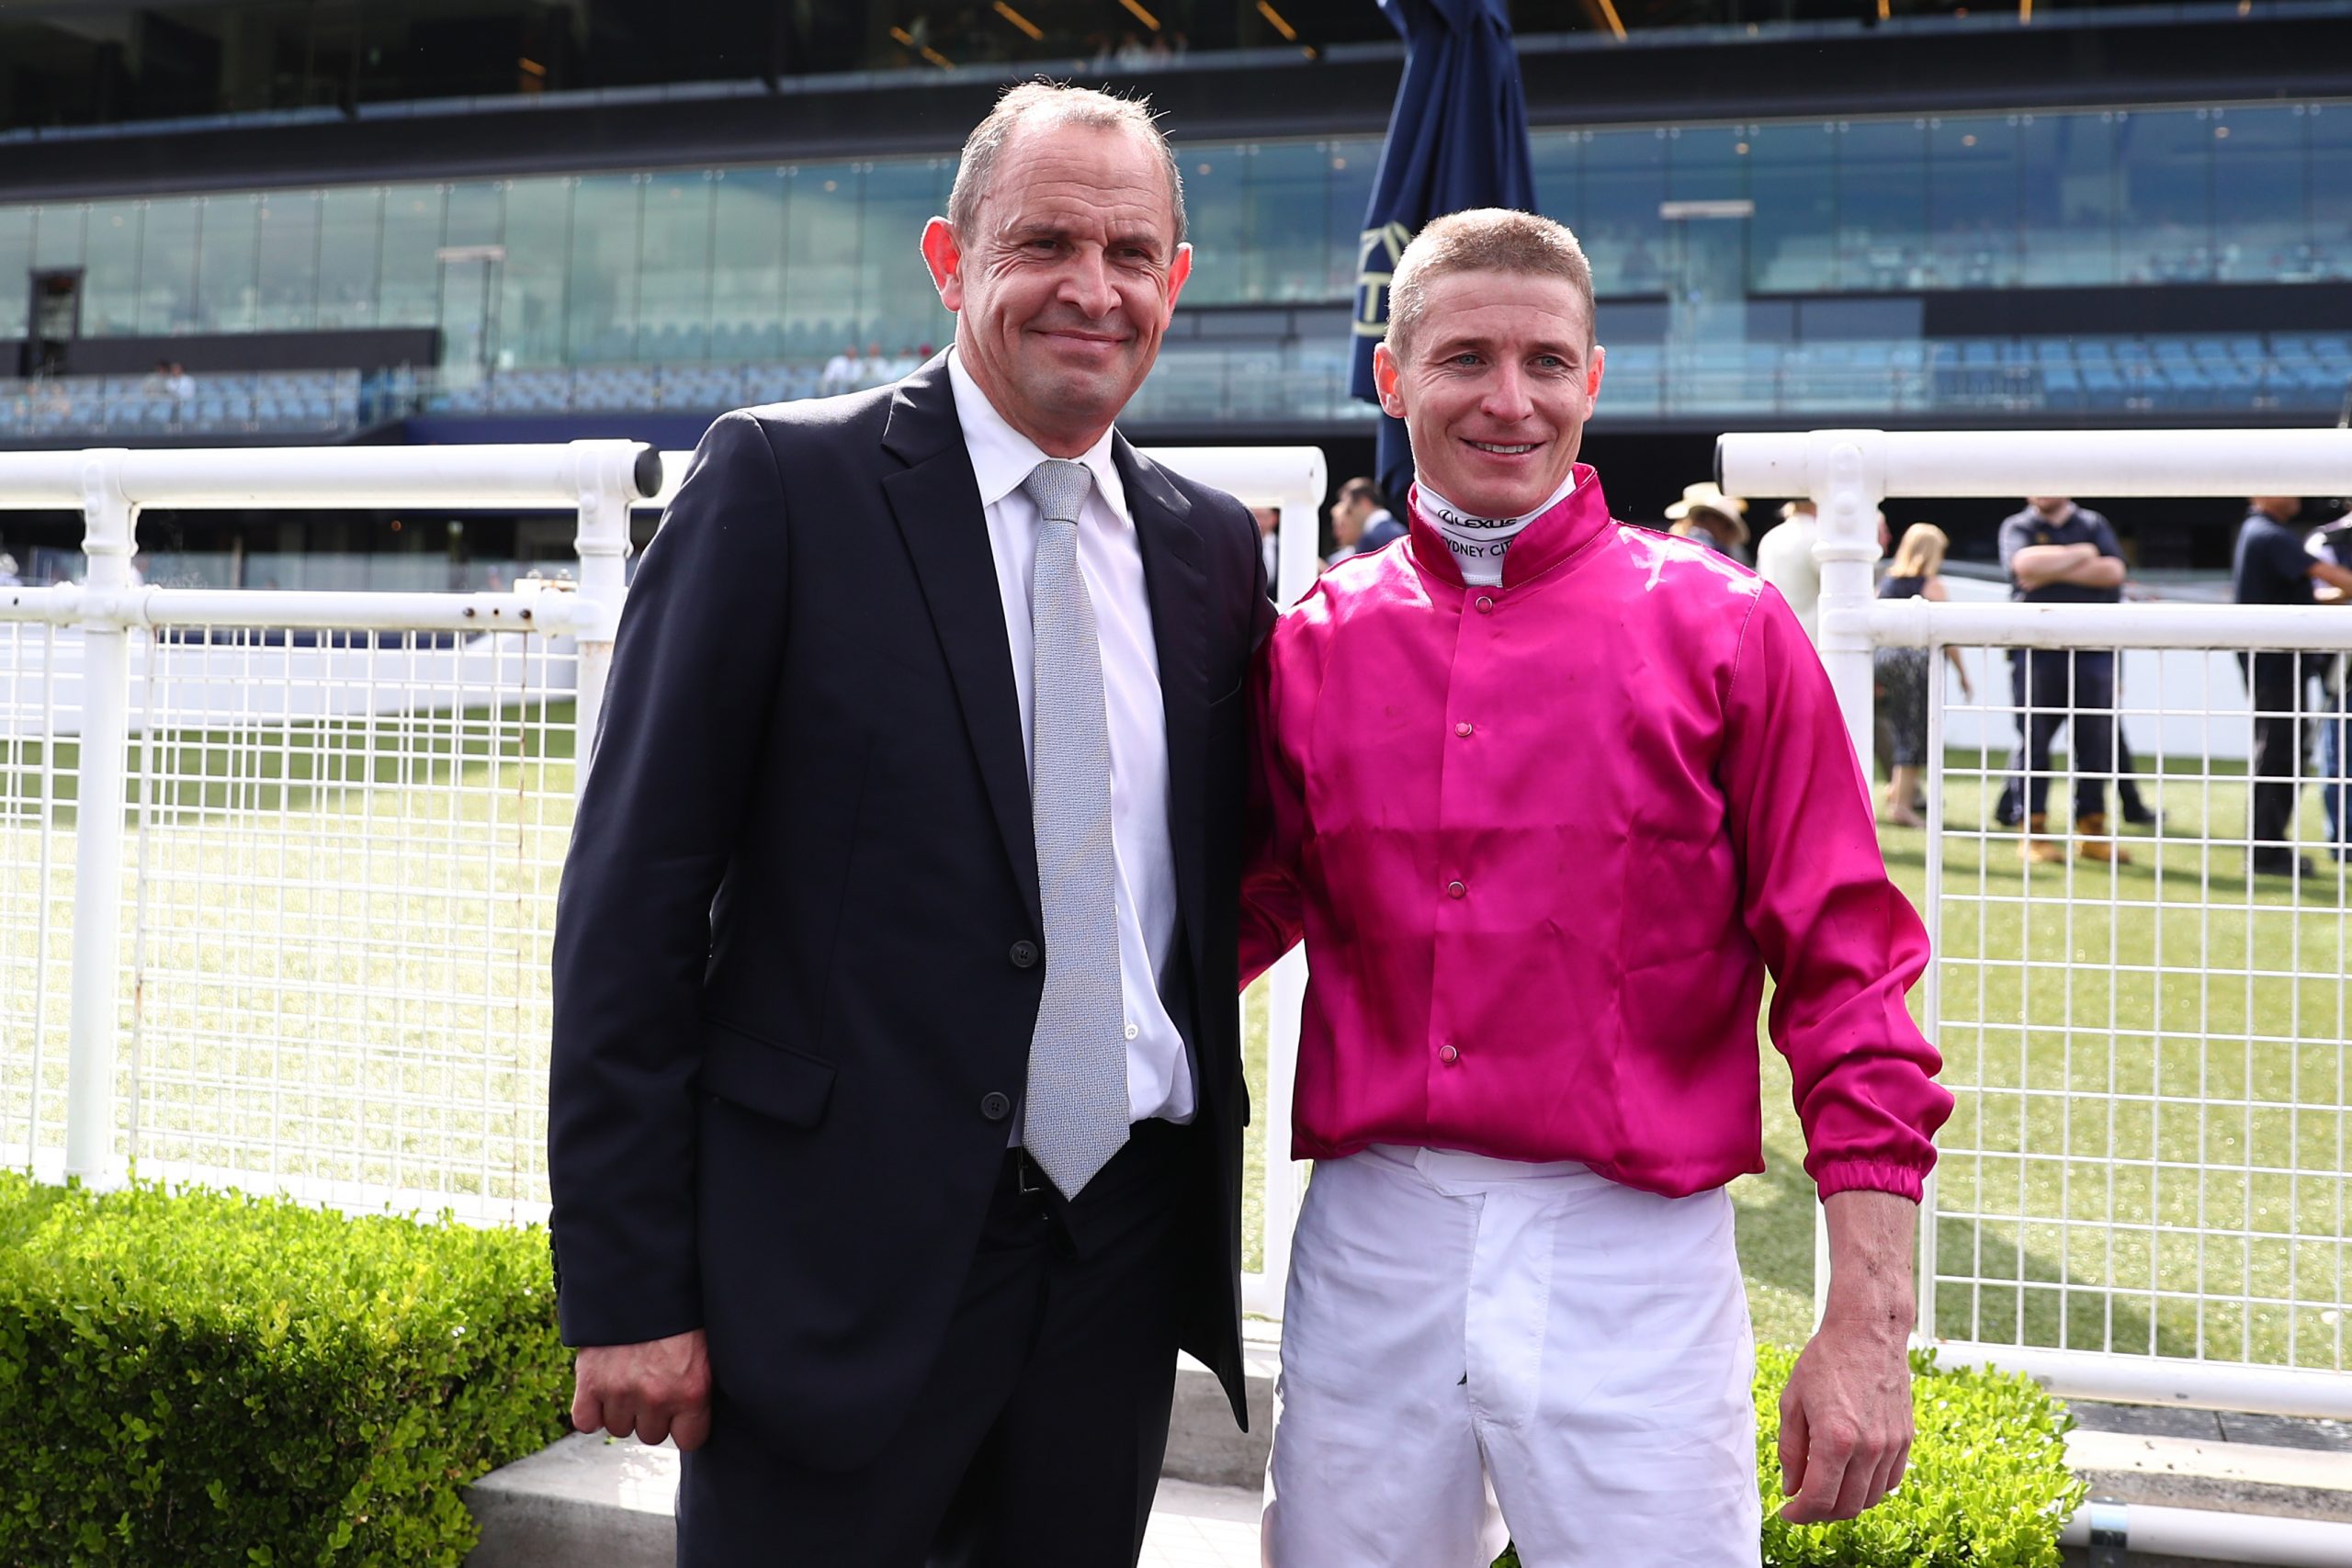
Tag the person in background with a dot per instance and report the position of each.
(840, 373)
(2331, 542)
(9, 575)
(181, 385)
(2056, 552)
(1784, 559)
(1359, 523)
(1904, 672)
(1269, 520)
(1713, 519)
(2273, 567)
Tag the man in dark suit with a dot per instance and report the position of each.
(897, 1104)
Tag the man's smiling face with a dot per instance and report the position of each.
(1064, 291)
(1494, 388)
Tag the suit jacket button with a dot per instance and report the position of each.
(995, 1106)
(1024, 954)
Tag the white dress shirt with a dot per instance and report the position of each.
(1159, 1079)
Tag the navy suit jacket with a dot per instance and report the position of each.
(798, 947)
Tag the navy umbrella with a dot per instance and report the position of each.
(1456, 140)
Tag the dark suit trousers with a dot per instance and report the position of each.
(1036, 1441)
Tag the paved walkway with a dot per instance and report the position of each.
(1201, 1526)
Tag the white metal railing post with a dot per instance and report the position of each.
(109, 526)
(1845, 475)
(609, 481)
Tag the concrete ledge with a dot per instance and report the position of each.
(2230, 1478)
(582, 1500)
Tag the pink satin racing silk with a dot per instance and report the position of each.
(1543, 840)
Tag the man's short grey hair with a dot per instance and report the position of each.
(1071, 106)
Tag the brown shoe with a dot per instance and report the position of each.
(2094, 843)
(2037, 848)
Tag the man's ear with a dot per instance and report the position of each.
(1178, 271)
(941, 255)
(1592, 377)
(1384, 371)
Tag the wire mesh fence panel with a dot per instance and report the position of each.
(40, 674)
(344, 849)
(2141, 991)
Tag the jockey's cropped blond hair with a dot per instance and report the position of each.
(1484, 238)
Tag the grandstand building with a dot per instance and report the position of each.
(510, 219)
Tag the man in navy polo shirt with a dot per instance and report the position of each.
(2058, 553)
(2274, 568)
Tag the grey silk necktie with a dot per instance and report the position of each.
(1075, 1117)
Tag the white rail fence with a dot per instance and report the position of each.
(277, 869)
(277, 877)
(2142, 1191)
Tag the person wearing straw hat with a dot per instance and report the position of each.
(1546, 795)
(1705, 514)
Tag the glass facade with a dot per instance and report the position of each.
(744, 264)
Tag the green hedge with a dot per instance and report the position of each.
(1987, 1485)
(192, 1377)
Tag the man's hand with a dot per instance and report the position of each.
(660, 1389)
(1846, 1415)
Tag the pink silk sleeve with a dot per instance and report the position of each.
(1274, 825)
(1842, 942)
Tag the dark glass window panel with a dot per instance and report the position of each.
(473, 219)
(226, 263)
(1216, 185)
(1704, 163)
(2261, 217)
(821, 263)
(2329, 129)
(2066, 165)
(674, 292)
(1625, 181)
(351, 242)
(2163, 195)
(1557, 160)
(1347, 195)
(601, 292)
(16, 262)
(897, 303)
(1790, 167)
(537, 235)
(408, 270)
(746, 265)
(287, 297)
(111, 279)
(1973, 201)
(57, 234)
(1881, 205)
(1285, 259)
(167, 266)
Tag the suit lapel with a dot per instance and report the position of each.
(937, 503)
(1174, 582)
